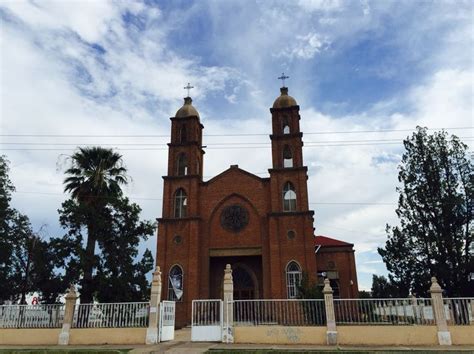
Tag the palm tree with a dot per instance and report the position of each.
(94, 178)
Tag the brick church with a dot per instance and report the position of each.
(263, 227)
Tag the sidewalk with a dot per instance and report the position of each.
(219, 348)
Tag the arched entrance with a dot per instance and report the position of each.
(245, 283)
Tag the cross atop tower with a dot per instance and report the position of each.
(282, 78)
(188, 87)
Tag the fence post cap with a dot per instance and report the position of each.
(157, 275)
(435, 287)
(327, 287)
(71, 294)
(228, 272)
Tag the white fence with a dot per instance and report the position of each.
(112, 315)
(384, 311)
(459, 311)
(207, 320)
(285, 312)
(31, 316)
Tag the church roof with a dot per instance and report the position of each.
(284, 100)
(187, 110)
(235, 168)
(325, 241)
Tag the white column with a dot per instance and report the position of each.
(444, 337)
(155, 298)
(71, 298)
(331, 333)
(228, 313)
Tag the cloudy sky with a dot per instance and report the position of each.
(365, 73)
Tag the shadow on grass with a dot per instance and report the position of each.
(63, 351)
(339, 351)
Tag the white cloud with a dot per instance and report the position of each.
(306, 47)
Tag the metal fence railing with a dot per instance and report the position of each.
(459, 311)
(384, 311)
(286, 312)
(111, 315)
(31, 316)
(206, 312)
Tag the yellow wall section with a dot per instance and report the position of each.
(77, 336)
(28, 336)
(280, 335)
(387, 335)
(462, 335)
(85, 336)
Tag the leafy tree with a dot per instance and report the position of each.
(435, 209)
(99, 214)
(26, 261)
(383, 288)
(94, 178)
(119, 277)
(308, 289)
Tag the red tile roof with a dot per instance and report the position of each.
(327, 241)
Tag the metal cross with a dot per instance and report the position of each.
(188, 87)
(282, 78)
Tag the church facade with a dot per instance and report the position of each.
(263, 227)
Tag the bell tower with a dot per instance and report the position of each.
(180, 224)
(291, 230)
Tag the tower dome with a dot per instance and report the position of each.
(284, 100)
(187, 110)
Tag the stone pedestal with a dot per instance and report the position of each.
(71, 298)
(444, 337)
(331, 333)
(228, 313)
(155, 298)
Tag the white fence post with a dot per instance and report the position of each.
(155, 298)
(331, 333)
(71, 298)
(444, 337)
(228, 311)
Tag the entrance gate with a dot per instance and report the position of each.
(207, 320)
(167, 317)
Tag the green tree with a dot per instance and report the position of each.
(26, 261)
(118, 276)
(99, 215)
(94, 178)
(382, 288)
(435, 209)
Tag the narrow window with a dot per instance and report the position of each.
(182, 165)
(175, 284)
(335, 288)
(293, 279)
(180, 203)
(287, 157)
(289, 197)
(183, 134)
(286, 125)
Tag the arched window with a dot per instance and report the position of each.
(175, 283)
(293, 279)
(289, 197)
(182, 165)
(285, 125)
(183, 134)
(287, 157)
(180, 203)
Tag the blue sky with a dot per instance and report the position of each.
(118, 68)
